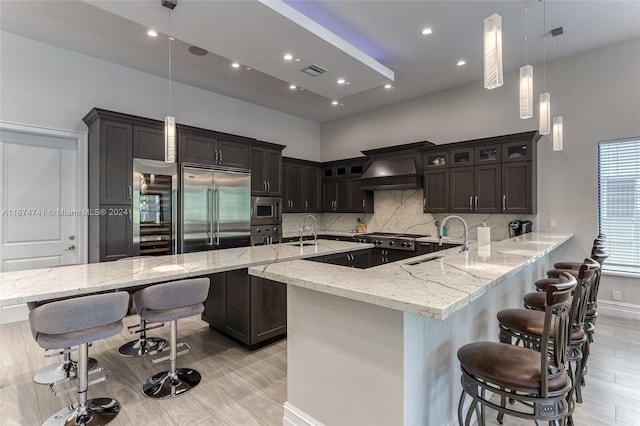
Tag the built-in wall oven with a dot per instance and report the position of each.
(266, 220)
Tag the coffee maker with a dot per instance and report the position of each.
(519, 227)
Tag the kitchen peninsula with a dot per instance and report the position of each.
(365, 346)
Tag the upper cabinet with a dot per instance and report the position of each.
(341, 191)
(301, 186)
(199, 146)
(266, 169)
(492, 175)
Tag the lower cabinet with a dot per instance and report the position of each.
(249, 309)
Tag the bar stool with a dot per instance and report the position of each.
(77, 322)
(526, 325)
(143, 345)
(536, 379)
(170, 302)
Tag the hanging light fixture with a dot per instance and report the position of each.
(170, 120)
(493, 51)
(544, 123)
(558, 128)
(526, 76)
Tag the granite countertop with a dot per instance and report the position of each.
(436, 289)
(48, 283)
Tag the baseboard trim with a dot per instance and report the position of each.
(15, 313)
(618, 309)
(295, 417)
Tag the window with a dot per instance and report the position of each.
(619, 203)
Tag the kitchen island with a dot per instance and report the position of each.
(378, 346)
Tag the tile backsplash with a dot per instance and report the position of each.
(401, 211)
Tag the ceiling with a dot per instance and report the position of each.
(368, 43)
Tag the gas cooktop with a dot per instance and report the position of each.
(391, 240)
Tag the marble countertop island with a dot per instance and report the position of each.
(49, 283)
(437, 288)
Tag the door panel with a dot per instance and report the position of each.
(234, 154)
(197, 210)
(39, 212)
(517, 188)
(115, 164)
(197, 149)
(148, 143)
(488, 189)
(462, 189)
(232, 215)
(436, 188)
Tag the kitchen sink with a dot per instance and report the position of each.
(417, 262)
(304, 243)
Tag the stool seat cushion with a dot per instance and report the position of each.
(567, 265)
(78, 337)
(506, 365)
(536, 300)
(544, 283)
(530, 322)
(592, 312)
(555, 273)
(166, 315)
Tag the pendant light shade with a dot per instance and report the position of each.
(493, 51)
(544, 127)
(526, 91)
(169, 139)
(557, 133)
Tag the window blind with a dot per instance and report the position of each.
(619, 203)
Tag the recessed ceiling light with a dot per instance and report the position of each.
(172, 38)
(248, 68)
(461, 62)
(235, 65)
(341, 81)
(288, 56)
(388, 86)
(292, 86)
(427, 31)
(334, 102)
(152, 33)
(297, 59)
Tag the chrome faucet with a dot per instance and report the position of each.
(465, 242)
(309, 228)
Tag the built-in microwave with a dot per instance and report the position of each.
(266, 210)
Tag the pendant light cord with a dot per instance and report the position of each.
(558, 73)
(544, 49)
(170, 77)
(526, 32)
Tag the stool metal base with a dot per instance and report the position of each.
(135, 348)
(161, 386)
(55, 372)
(100, 412)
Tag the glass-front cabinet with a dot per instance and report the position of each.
(462, 157)
(436, 159)
(517, 151)
(487, 154)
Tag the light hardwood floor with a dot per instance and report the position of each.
(241, 387)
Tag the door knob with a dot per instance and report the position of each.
(71, 247)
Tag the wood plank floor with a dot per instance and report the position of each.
(241, 387)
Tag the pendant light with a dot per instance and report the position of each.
(544, 123)
(493, 51)
(558, 128)
(170, 120)
(526, 76)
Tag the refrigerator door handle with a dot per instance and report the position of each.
(217, 217)
(210, 224)
(174, 220)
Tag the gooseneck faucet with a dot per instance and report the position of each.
(309, 228)
(465, 242)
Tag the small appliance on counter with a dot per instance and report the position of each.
(519, 227)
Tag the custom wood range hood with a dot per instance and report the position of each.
(397, 167)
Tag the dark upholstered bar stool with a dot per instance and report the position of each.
(143, 345)
(536, 380)
(170, 302)
(525, 325)
(77, 322)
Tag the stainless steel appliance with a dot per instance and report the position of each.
(395, 241)
(266, 220)
(154, 218)
(216, 206)
(519, 227)
(266, 210)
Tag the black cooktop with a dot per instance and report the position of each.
(393, 235)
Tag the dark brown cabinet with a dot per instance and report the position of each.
(493, 175)
(200, 146)
(301, 189)
(114, 140)
(249, 309)
(341, 191)
(266, 170)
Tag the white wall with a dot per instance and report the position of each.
(599, 99)
(52, 87)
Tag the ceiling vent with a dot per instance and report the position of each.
(314, 70)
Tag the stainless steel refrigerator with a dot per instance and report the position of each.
(216, 208)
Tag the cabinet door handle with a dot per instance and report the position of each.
(364, 203)
(476, 202)
(130, 190)
(264, 185)
(424, 203)
(471, 203)
(216, 153)
(220, 156)
(306, 205)
(504, 202)
(268, 186)
(292, 203)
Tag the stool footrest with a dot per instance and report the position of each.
(168, 348)
(59, 389)
(135, 329)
